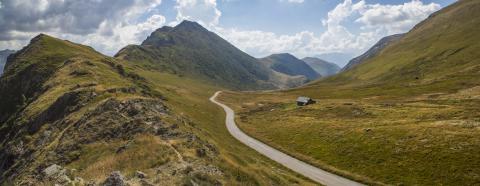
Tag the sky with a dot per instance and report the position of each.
(333, 29)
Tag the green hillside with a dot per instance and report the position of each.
(408, 116)
(192, 51)
(70, 115)
(441, 51)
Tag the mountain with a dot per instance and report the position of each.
(3, 58)
(73, 116)
(440, 51)
(290, 65)
(341, 59)
(66, 106)
(322, 67)
(190, 50)
(63, 102)
(374, 51)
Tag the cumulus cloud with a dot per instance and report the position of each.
(204, 12)
(122, 35)
(79, 21)
(377, 21)
(108, 25)
(294, 1)
(396, 18)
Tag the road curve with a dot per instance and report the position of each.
(309, 171)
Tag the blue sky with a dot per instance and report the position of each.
(328, 28)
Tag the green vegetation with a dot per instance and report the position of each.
(94, 114)
(408, 116)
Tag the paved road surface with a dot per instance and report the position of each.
(314, 173)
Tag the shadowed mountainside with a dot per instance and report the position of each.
(290, 65)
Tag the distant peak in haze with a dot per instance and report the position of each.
(373, 51)
(322, 67)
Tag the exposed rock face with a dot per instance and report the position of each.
(115, 179)
(374, 51)
(3, 58)
(56, 174)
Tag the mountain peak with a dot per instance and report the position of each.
(286, 56)
(165, 36)
(39, 37)
(283, 54)
(190, 26)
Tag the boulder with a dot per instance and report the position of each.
(115, 179)
(57, 174)
(140, 174)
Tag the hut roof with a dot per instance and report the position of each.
(303, 99)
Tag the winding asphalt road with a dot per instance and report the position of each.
(309, 171)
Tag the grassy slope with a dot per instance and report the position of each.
(190, 98)
(68, 66)
(408, 116)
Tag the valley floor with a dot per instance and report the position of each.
(426, 139)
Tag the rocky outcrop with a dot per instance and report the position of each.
(56, 174)
(115, 179)
(3, 58)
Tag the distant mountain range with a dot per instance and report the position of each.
(322, 67)
(373, 51)
(290, 65)
(341, 59)
(3, 58)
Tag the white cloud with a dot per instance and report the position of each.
(396, 18)
(377, 21)
(123, 35)
(204, 12)
(107, 25)
(109, 29)
(294, 1)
